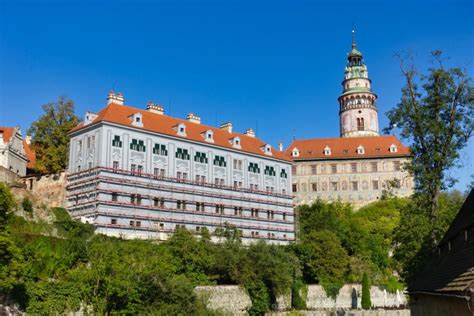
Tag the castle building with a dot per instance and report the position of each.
(142, 174)
(15, 152)
(359, 165)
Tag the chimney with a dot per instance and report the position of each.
(249, 132)
(193, 118)
(226, 126)
(155, 108)
(280, 146)
(28, 139)
(115, 98)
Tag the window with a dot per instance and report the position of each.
(269, 171)
(283, 174)
(132, 223)
(284, 216)
(79, 146)
(156, 202)
(160, 150)
(181, 204)
(139, 170)
(93, 141)
(219, 161)
(334, 186)
(79, 168)
(334, 168)
(138, 223)
(344, 186)
(313, 169)
(218, 181)
(209, 136)
(182, 153)
(314, 187)
(327, 151)
(253, 167)
(133, 168)
(293, 170)
(88, 142)
(396, 165)
(89, 165)
(355, 185)
(393, 148)
(137, 145)
(113, 221)
(114, 197)
(181, 129)
(294, 187)
(354, 167)
(254, 212)
(155, 172)
(219, 209)
(133, 199)
(182, 176)
(374, 167)
(200, 157)
(360, 123)
(360, 150)
(116, 142)
(375, 185)
(238, 164)
(238, 211)
(115, 165)
(295, 152)
(237, 184)
(200, 207)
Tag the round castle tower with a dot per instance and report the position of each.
(358, 110)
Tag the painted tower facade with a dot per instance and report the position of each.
(358, 110)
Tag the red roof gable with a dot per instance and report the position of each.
(7, 133)
(163, 124)
(30, 155)
(374, 146)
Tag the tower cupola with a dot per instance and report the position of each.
(357, 103)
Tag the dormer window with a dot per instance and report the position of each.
(209, 136)
(181, 129)
(295, 152)
(360, 150)
(89, 118)
(393, 148)
(267, 149)
(327, 151)
(235, 142)
(137, 119)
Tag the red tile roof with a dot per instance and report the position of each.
(341, 148)
(163, 124)
(30, 154)
(7, 133)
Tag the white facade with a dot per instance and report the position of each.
(12, 153)
(135, 183)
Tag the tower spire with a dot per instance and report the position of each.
(353, 37)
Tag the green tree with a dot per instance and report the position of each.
(324, 260)
(7, 202)
(365, 302)
(50, 138)
(438, 118)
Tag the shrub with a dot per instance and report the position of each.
(27, 205)
(297, 302)
(366, 303)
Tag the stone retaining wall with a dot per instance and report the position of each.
(48, 189)
(235, 300)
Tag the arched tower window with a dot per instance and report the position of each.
(360, 123)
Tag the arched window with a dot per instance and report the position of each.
(360, 123)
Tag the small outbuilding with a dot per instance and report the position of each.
(446, 286)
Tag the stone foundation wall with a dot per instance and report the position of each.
(230, 299)
(350, 297)
(48, 189)
(9, 177)
(235, 300)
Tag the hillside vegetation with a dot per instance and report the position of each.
(60, 266)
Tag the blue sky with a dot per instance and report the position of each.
(275, 66)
